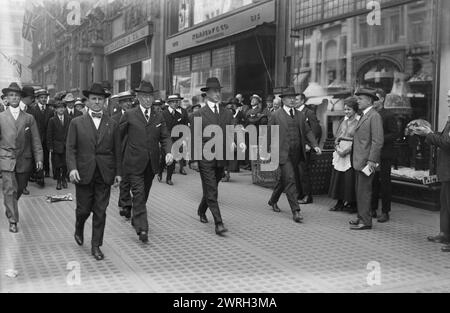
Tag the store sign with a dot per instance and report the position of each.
(128, 40)
(234, 24)
(310, 13)
(429, 180)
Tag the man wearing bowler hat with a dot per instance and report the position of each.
(57, 129)
(93, 153)
(19, 144)
(174, 115)
(294, 132)
(367, 144)
(211, 169)
(126, 100)
(146, 131)
(42, 114)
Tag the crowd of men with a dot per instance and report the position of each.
(96, 145)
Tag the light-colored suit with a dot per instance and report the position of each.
(19, 143)
(367, 144)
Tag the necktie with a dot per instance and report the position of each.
(147, 117)
(62, 120)
(71, 113)
(215, 109)
(292, 113)
(96, 115)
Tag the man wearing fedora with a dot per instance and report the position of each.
(294, 133)
(69, 102)
(367, 144)
(174, 115)
(126, 100)
(42, 114)
(58, 126)
(212, 170)
(93, 153)
(19, 144)
(146, 131)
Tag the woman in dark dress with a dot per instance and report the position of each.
(342, 186)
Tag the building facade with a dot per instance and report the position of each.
(232, 40)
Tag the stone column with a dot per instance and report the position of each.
(84, 57)
(98, 53)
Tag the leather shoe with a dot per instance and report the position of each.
(384, 218)
(297, 217)
(445, 248)
(125, 212)
(220, 229)
(169, 182)
(360, 227)
(97, 253)
(13, 228)
(275, 207)
(183, 172)
(143, 236)
(306, 200)
(64, 184)
(203, 218)
(58, 185)
(25, 191)
(355, 222)
(338, 207)
(438, 239)
(373, 214)
(159, 177)
(79, 239)
(79, 233)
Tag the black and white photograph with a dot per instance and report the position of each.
(225, 153)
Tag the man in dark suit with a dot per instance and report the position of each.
(367, 145)
(442, 142)
(125, 204)
(93, 153)
(211, 166)
(146, 131)
(19, 143)
(174, 115)
(58, 126)
(42, 114)
(382, 180)
(294, 132)
(304, 182)
(71, 112)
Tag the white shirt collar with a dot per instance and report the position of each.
(288, 109)
(212, 104)
(171, 110)
(367, 110)
(70, 110)
(14, 110)
(301, 108)
(90, 113)
(143, 110)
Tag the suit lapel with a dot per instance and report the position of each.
(89, 124)
(11, 119)
(104, 124)
(364, 118)
(141, 117)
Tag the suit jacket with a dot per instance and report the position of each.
(57, 134)
(42, 118)
(391, 133)
(19, 142)
(368, 140)
(76, 113)
(144, 140)
(280, 118)
(88, 148)
(442, 141)
(313, 122)
(208, 117)
(175, 119)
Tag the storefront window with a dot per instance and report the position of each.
(396, 56)
(146, 69)
(120, 79)
(191, 72)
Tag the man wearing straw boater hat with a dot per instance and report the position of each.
(174, 115)
(126, 100)
(212, 171)
(146, 131)
(19, 143)
(294, 132)
(93, 153)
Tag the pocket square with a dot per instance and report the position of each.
(28, 128)
(179, 120)
(159, 125)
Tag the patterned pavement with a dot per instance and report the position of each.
(262, 252)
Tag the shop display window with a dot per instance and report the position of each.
(396, 56)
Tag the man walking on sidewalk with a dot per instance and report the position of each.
(94, 161)
(19, 143)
